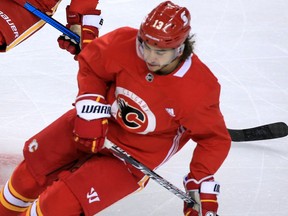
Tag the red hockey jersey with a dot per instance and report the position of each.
(155, 115)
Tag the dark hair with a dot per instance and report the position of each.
(189, 48)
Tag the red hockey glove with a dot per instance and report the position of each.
(204, 192)
(86, 26)
(91, 123)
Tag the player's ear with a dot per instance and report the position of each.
(181, 49)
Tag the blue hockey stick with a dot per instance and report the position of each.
(52, 22)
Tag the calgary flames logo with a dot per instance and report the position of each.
(132, 117)
(132, 112)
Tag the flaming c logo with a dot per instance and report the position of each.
(33, 146)
(132, 112)
(132, 117)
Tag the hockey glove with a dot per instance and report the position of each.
(204, 192)
(86, 26)
(91, 123)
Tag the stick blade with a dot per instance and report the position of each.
(264, 132)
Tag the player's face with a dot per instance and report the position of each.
(159, 59)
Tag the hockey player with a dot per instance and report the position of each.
(156, 95)
(17, 24)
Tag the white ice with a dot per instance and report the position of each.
(245, 44)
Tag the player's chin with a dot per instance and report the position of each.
(152, 67)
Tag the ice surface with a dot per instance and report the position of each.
(245, 43)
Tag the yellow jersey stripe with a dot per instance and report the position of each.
(16, 194)
(10, 206)
(26, 34)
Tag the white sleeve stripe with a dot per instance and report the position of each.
(33, 211)
(93, 20)
(12, 199)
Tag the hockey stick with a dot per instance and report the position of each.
(163, 182)
(151, 174)
(50, 21)
(263, 132)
